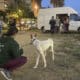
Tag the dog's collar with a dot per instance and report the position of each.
(33, 40)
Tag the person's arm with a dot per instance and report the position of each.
(16, 51)
(50, 22)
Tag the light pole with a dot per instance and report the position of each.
(36, 10)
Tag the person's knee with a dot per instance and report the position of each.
(24, 59)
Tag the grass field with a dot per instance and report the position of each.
(66, 65)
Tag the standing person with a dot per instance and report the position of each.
(1, 24)
(10, 54)
(12, 23)
(52, 24)
(57, 26)
(66, 24)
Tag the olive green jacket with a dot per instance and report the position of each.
(9, 49)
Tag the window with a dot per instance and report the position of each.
(74, 17)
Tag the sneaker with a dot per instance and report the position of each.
(6, 74)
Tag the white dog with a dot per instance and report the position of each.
(42, 47)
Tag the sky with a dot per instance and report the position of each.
(75, 4)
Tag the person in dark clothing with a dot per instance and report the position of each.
(66, 24)
(12, 23)
(10, 53)
(1, 24)
(52, 23)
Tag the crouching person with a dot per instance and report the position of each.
(10, 54)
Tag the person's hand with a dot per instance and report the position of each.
(21, 51)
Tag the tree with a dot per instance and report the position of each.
(25, 7)
(57, 3)
(21, 5)
(38, 2)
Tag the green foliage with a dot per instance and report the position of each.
(2, 13)
(23, 6)
(58, 3)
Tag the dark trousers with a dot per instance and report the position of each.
(52, 29)
(66, 27)
(15, 63)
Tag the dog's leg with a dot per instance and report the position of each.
(45, 53)
(44, 59)
(52, 53)
(37, 61)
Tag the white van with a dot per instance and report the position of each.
(45, 15)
